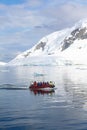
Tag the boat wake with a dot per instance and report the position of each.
(13, 87)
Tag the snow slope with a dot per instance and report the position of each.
(68, 46)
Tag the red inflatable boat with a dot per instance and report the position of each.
(41, 85)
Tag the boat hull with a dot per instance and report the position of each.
(42, 87)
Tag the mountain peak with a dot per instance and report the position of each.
(61, 46)
(81, 24)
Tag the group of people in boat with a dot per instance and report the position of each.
(42, 84)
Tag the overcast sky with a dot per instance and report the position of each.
(24, 22)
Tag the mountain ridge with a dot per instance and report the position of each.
(67, 46)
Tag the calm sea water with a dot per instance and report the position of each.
(63, 109)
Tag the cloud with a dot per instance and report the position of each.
(65, 14)
(37, 13)
(22, 25)
(34, 4)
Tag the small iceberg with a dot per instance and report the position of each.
(38, 74)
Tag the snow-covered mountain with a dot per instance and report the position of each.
(68, 46)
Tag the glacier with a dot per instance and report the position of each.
(64, 47)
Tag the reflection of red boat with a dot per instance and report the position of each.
(42, 92)
(41, 85)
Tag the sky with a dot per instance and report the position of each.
(24, 22)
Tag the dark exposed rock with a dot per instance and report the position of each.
(67, 43)
(27, 54)
(76, 34)
(73, 33)
(81, 33)
(40, 45)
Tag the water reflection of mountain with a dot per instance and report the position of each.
(75, 85)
